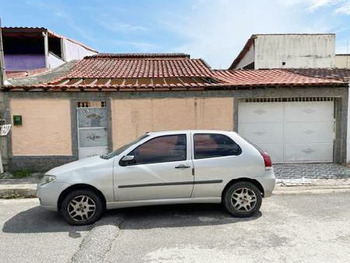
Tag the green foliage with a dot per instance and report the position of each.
(22, 173)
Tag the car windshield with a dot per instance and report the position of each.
(123, 148)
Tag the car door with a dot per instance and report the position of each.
(216, 159)
(162, 169)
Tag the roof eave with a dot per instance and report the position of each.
(54, 88)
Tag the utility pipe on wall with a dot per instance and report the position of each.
(2, 80)
(2, 63)
(348, 130)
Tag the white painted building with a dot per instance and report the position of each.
(287, 51)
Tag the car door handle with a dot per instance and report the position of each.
(182, 166)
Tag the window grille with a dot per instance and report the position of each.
(92, 104)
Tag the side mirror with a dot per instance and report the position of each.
(127, 160)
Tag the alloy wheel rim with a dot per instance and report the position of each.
(81, 208)
(243, 199)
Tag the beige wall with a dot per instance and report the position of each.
(46, 128)
(132, 118)
(342, 61)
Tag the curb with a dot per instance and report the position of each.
(314, 189)
(9, 191)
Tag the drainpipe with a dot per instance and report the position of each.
(348, 130)
(2, 63)
(2, 81)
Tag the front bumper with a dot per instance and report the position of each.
(49, 193)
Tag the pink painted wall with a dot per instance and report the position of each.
(46, 128)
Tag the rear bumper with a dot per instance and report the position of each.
(268, 182)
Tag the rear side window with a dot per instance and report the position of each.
(214, 145)
(161, 149)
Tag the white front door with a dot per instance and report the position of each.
(92, 129)
(294, 131)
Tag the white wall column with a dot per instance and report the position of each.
(46, 49)
(348, 131)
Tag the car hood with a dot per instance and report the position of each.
(83, 163)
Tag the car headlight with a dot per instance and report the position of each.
(47, 179)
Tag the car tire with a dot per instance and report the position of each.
(242, 199)
(82, 207)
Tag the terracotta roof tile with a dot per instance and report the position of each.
(139, 55)
(139, 66)
(154, 72)
(336, 73)
(270, 77)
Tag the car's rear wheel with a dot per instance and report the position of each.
(82, 207)
(242, 199)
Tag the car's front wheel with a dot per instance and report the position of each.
(242, 199)
(82, 207)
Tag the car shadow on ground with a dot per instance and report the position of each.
(39, 220)
(176, 216)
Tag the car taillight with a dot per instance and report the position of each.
(267, 159)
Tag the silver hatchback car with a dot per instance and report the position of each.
(172, 167)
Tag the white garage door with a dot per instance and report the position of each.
(292, 131)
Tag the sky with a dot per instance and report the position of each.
(215, 30)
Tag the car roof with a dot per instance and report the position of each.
(187, 131)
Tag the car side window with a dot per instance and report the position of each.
(169, 148)
(214, 145)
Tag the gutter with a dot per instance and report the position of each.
(2, 62)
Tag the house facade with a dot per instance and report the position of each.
(106, 100)
(335, 73)
(28, 53)
(306, 54)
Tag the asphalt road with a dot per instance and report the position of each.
(32, 234)
(290, 228)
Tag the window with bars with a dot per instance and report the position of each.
(91, 104)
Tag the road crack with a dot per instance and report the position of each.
(98, 241)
